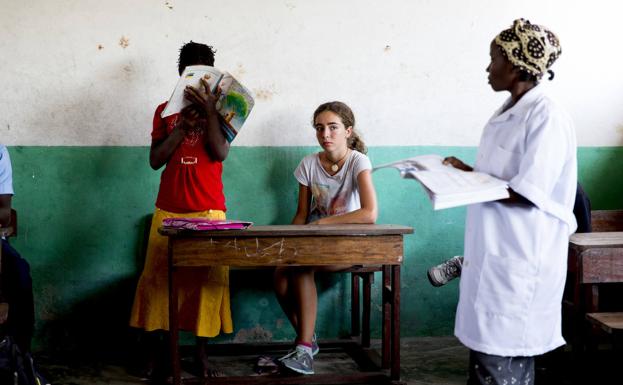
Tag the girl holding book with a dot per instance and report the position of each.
(192, 148)
(335, 186)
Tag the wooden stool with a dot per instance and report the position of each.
(611, 323)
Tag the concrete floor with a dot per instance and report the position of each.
(425, 361)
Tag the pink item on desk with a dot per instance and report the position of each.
(201, 224)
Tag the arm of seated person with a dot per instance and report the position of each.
(5, 210)
(4, 312)
(368, 211)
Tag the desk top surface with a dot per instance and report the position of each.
(597, 239)
(295, 230)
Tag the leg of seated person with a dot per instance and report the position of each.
(306, 296)
(282, 287)
(18, 286)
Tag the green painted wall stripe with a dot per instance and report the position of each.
(81, 220)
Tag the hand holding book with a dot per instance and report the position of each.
(203, 97)
(212, 90)
(457, 163)
(449, 182)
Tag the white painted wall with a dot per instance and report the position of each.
(413, 71)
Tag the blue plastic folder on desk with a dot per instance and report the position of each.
(202, 224)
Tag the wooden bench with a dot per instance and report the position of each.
(595, 259)
(612, 324)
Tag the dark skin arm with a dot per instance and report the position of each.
(203, 112)
(161, 151)
(5, 221)
(514, 196)
(5, 210)
(215, 143)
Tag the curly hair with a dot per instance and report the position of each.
(195, 53)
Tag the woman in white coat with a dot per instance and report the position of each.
(516, 249)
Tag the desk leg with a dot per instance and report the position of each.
(368, 278)
(354, 301)
(387, 317)
(395, 368)
(173, 322)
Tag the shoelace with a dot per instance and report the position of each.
(451, 268)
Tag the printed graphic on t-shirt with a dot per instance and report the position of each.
(324, 206)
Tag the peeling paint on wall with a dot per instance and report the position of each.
(264, 93)
(256, 334)
(124, 42)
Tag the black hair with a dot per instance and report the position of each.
(195, 53)
(526, 76)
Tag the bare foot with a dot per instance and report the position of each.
(207, 370)
(212, 372)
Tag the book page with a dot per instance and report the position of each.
(190, 77)
(458, 182)
(409, 167)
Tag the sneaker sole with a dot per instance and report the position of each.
(432, 280)
(300, 371)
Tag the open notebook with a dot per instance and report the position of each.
(200, 224)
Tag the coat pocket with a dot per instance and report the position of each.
(506, 286)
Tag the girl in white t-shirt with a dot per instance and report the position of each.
(335, 186)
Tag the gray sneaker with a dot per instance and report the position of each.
(443, 273)
(299, 361)
(315, 347)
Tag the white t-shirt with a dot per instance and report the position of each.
(6, 173)
(516, 254)
(332, 194)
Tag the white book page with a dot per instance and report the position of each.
(462, 182)
(190, 77)
(408, 168)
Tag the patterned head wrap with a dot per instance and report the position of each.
(530, 47)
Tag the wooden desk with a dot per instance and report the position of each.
(594, 258)
(294, 245)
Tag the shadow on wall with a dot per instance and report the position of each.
(81, 235)
(97, 324)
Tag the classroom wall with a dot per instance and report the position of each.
(81, 80)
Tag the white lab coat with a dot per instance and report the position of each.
(516, 254)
